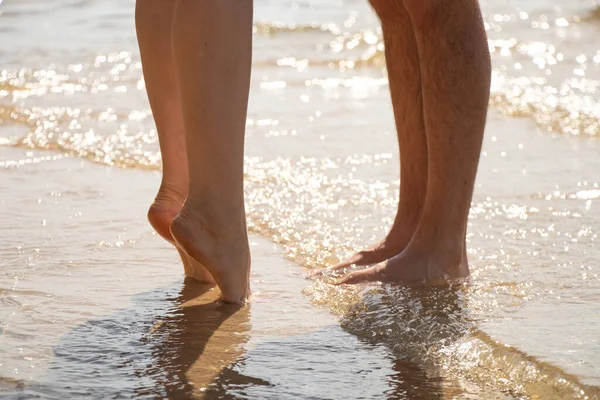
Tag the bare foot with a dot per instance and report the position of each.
(165, 208)
(221, 247)
(416, 267)
(394, 243)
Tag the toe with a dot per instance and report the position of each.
(359, 259)
(345, 264)
(372, 274)
(235, 298)
(352, 261)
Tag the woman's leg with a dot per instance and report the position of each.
(212, 44)
(153, 24)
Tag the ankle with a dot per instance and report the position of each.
(440, 241)
(170, 195)
(404, 226)
(226, 221)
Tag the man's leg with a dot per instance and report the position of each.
(153, 20)
(455, 72)
(402, 61)
(212, 43)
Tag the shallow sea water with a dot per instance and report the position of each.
(93, 303)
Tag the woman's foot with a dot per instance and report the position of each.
(220, 244)
(164, 209)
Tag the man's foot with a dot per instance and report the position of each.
(416, 267)
(166, 206)
(394, 243)
(220, 246)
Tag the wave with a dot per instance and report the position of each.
(570, 109)
(274, 28)
(6, 164)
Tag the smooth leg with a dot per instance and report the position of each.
(404, 74)
(455, 70)
(212, 44)
(153, 25)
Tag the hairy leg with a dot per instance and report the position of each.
(455, 71)
(153, 25)
(212, 43)
(404, 74)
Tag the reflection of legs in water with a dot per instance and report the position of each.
(212, 44)
(153, 24)
(455, 79)
(202, 338)
(412, 382)
(405, 86)
(420, 324)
